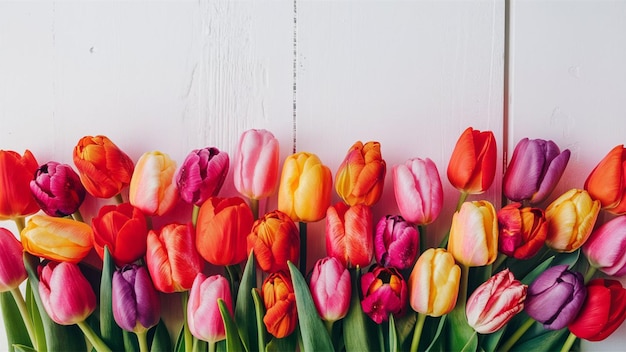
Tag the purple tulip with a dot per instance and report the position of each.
(384, 292)
(202, 175)
(331, 288)
(555, 297)
(135, 301)
(534, 170)
(57, 189)
(396, 242)
(606, 247)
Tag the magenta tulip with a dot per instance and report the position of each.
(331, 289)
(606, 247)
(135, 302)
(396, 242)
(203, 313)
(256, 168)
(384, 292)
(202, 175)
(12, 271)
(418, 190)
(57, 189)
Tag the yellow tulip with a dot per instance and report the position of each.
(58, 239)
(474, 234)
(434, 283)
(571, 218)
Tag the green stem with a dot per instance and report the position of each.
(20, 223)
(422, 234)
(119, 199)
(78, 216)
(462, 199)
(381, 339)
(93, 338)
(186, 332)
(569, 342)
(28, 322)
(254, 206)
(417, 333)
(142, 337)
(303, 229)
(463, 287)
(499, 261)
(212, 346)
(589, 274)
(329, 327)
(194, 215)
(517, 335)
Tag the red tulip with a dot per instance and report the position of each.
(281, 316)
(418, 190)
(12, 270)
(202, 175)
(123, 229)
(152, 187)
(331, 288)
(607, 181)
(203, 312)
(472, 165)
(57, 189)
(256, 164)
(603, 311)
(349, 236)
(16, 172)
(275, 240)
(523, 231)
(361, 176)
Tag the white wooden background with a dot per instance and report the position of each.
(178, 75)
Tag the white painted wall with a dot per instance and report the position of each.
(178, 75)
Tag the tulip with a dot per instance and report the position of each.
(434, 283)
(607, 181)
(603, 312)
(58, 239)
(349, 234)
(534, 170)
(256, 164)
(384, 292)
(221, 231)
(474, 234)
(495, 302)
(396, 242)
(152, 187)
(12, 270)
(16, 171)
(135, 302)
(555, 297)
(606, 247)
(361, 176)
(305, 188)
(202, 175)
(275, 240)
(281, 316)
(331, 289)
(65, 293)
(57, 189)
(418, 191)
(571, 218)
(203, 312)
(172, 258)
(123, 229)
(523, 231)
(103, 168)
(472, 164)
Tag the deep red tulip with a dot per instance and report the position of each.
(603, 311)
(123, 229)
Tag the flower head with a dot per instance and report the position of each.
(12, 270)
(331, 288)
(135, 302)
(256, 164)
(474, 234)
(58, 239)
(275, 240)
(571, 218)
(16, 172)
(472, 164)
(361, 176)
(349, 235)
(57, 189)
(153, 188)
(523, 231)
(603, 311)
(202, 175)
(203, 312)
(607, 181)
(384, 292)
(606, 247)
(123, 229)
(396, 242)
(281, 315)
(434, 283)
(418, 191)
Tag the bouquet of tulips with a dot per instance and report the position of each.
(164, 263)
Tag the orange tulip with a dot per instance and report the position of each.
(103, 168)
(16, 172)
(607, 181)
(474, 234)
(281, 316)
(58, 239)
(571, 218)
(275, 240)
(152, 187)
(305, 188)
(472, 165)
(360, 177)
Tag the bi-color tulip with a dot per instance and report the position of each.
(57, 189)
(59, 239)
(275, 240)
(123, 229)
(384, 292)
(16, 172)
(203, 312)
(135, 302)
(349, 234)
(418, 190)
(534, 170)
(281, 315)
(104, 169)
(434, 283)
(361, 176)
(256, 168)
(606, 247)
(12, 270)
(571, 218)
(474, 234)
(152, 188)
(602, 313)
(523, 230)
(472, 165)
(202, 175)
(305, 188)
(331, 289)
(607, 181)
(396, 242)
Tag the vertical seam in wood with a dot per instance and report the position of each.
(295, 70)
(506, 89)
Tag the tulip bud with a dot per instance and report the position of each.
(607, 181)
(12, 270)
(135, 302)
(534, 170)
(384, 292)
(472, 164)
(606, 247)
(202, 175)
(602, 313)
(331, 289)
(434, 283)
(65, 293)
(172, 258)
(361, 176)
(152, 187)
(418, 191)
(57, 189)
(523, 231)
(58, 239)
(571, 218)
(123, 229)
(103, 168)
(256, 164)
(305, 188)
(349, 234)
(495, 302)
(275, 240)
(396, 242)
(555, 297)
(474, 234)
(203, 312)
(16, 172)
(281, 315)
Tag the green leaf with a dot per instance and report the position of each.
(23, 348)
(35, 316)
(544, 342)
(259, 310)
(437, 343)
(462, 336)
(393, 335)
(287, 343)
(13, 323)
(233, 342)
(130, 341)
(161, 340)
(314, 334)
(359, 331)
(180, 341)
(490, 342)
(528, 279)
(244, 308)
(405, 326)
(110, 331)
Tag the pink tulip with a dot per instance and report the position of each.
(256, 169)
(202, 175)
(152, 187)
(349, 234)
(474, 234)
(606, 247)
(396, 242)
(331, 288)
(12, 271)
(203, 312)
(418, 190)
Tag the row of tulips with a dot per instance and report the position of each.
(495, 275)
